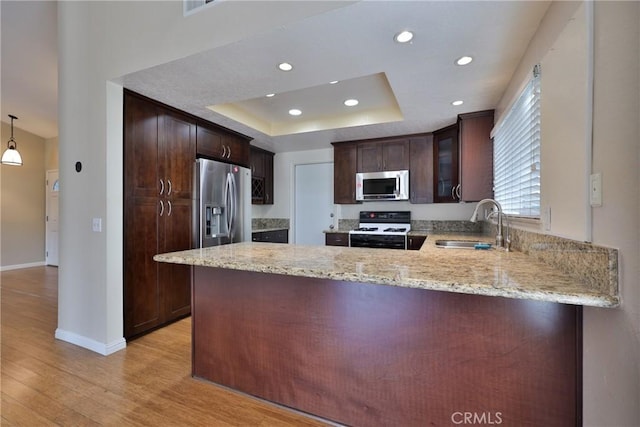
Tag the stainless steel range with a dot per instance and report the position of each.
(381, 230)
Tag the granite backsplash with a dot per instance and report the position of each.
(269, 223)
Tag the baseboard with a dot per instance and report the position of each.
(88, 343)
(20, 266)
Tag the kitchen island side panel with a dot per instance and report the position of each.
(363, 354)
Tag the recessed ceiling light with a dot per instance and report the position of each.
(403, 36)
(285, 66)
(456, 103)
(295, 112)
(464, 60)
(351, 102)
(333, 82)
(270, 95)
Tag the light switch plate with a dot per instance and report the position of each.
(595, 189)
(96, 225)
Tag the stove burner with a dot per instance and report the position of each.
(395, 229)
(366, 229)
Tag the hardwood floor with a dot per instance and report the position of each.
(51, 382)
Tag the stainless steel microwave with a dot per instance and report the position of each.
(388, 185)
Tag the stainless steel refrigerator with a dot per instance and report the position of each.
(222, 200)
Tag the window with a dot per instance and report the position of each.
(516, 154)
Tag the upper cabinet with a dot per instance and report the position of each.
(220, 144)
(345, 165)
(383, 155)
(261, 163)
(476, 156)
(420, 169)
(445, 164)
(449, 165)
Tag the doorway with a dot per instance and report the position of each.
(313, 202)
(51, 227)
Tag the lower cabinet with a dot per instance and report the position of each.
(274, 236)
(414, 243)
(336, 239)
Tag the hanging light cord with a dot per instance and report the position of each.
(15, 144)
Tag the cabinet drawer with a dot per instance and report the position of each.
(276, 236)
(336, 239)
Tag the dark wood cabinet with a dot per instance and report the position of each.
(476, 156)
(273, 236)
(445, 164)
(336, 239)
(345, 164)
(220, 144)
(414, 243)
(383, 155)
(421, 169)
(261, 164)
(159, 151)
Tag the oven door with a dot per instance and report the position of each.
(394, 241)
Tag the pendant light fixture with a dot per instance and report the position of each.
(11, 155)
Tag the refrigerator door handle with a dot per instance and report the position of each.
(228, 201)
(232, 205)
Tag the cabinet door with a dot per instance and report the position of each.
(268, 179)
(177, 147)
(175, 280)
(421, 169)
(395, 155)
(344, 173)
(414, 243)
(445, 164)
(369, 157)
(237, 150)
(142, 292)
(257, 158)
(141, 161)
(476, 156)
(209, 143)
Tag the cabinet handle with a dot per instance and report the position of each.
(458, 191)
(453, 193)
(224, 151)
(169, 203)
(161, 207)
(228, 152)
(169, 191)
(161, 187)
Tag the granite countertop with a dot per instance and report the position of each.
(493, 272)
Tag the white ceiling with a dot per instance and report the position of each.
(348, 44)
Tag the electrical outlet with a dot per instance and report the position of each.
(96, 225)
(595, 189)
(547, 218)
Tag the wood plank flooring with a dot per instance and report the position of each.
(49, 382)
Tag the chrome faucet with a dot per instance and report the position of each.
(499, 239)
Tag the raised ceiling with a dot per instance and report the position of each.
(351, 44)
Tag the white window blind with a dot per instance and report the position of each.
(516, 154)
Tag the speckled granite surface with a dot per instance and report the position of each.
(269, 224)
(493, 272)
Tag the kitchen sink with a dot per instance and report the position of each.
(459, 244)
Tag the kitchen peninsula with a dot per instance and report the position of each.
(367, 337)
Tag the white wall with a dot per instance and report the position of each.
(22, 202)
(611, 370)
(100, 42)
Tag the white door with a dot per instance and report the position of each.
(53, 188)
(313, 202)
